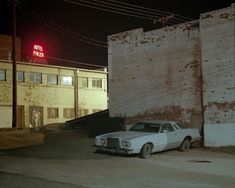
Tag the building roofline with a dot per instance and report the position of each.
(221, 9)
(104, 71)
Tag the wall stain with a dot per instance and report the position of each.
(225, 15)
(221, 106)
(207, 16)
(188, 117)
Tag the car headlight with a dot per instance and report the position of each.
(126, 144)
(103, 141)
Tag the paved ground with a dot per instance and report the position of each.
(67, 159)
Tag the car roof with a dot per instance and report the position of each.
(156, 121)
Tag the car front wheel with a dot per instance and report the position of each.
(145, 151)
(185, 146)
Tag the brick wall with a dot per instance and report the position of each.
(156, 74)
(6, 46)
(218, 63)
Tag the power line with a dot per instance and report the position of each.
(152, 10)
(104, 9)
(59, 28)
(153, 14)
(73, 62)
(29, 54)
(132, 10)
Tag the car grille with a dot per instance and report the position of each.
(113, 143)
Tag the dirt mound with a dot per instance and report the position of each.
(12, 138)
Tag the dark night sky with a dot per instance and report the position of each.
(34, 26)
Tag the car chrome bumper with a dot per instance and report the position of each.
(114, 150)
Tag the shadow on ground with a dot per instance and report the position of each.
(62, 145)
(12, 180)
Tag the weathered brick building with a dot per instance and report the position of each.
(184, 72)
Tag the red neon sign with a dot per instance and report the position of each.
(38, 51)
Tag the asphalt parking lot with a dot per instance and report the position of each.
(67, 159)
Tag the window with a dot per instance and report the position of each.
(2, 74)
(146, 127)
(67, 80)
(180, 125)
(83, 112)
(83, 82)
(167, 127)
(96, 110)
(68, 113)
(97, 83)
(35, 77)
(52, 79)
(20, 76)
(52, 112)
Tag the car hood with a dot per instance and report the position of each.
(127, 135)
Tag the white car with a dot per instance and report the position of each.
(147, 137)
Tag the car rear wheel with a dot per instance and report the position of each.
(145, 151)
(185, 146)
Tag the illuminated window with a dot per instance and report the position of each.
(52, 112)
(20, 76)
(97, 83)
(67, 80)
(52, 79)
(35, 77)
(68, 113)
(2, 74)
(83, 82)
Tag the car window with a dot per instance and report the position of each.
(146, 127)
(137, 127)
(180, 125)
(155, 128)
(175, 125)
(167, 127)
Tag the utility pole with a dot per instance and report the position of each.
(14, 81)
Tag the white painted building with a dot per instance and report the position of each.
(50, 94)
(184, 72)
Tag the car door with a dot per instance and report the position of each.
(172, 136)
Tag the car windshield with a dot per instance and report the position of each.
(146, 127)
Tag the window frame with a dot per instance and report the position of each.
(71, 113)
(97, 85)
(36, 74)
(81, 80)
(51, 76)
(53, 115)
(18, 76)
(4, 71)
(63, 83)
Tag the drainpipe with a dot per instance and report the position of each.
(201, 90)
